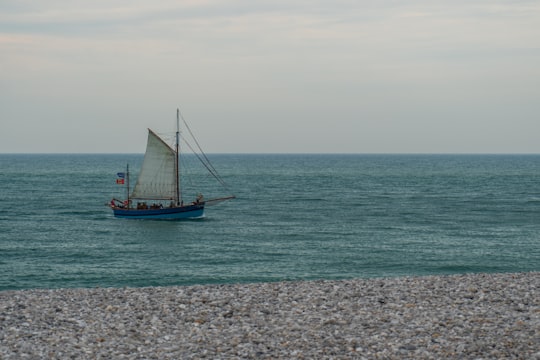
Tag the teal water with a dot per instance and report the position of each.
(296, 217)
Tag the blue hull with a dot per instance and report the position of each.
(183, 212)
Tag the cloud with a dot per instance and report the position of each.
(366, 66)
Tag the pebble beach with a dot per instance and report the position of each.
(472, 316)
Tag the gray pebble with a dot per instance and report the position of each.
(479, 316)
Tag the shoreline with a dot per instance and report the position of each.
(481, 315)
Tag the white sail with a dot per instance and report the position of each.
(157, 179)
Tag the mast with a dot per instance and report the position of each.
(127, 188)
(177, 160)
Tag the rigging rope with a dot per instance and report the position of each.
(207, 164)
(204, 159)
(196, 142)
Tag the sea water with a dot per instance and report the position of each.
(296, 217)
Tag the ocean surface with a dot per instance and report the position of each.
(296, 217)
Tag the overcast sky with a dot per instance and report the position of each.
(291, 76)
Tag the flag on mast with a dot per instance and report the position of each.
(121, 176)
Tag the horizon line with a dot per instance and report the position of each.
(283, 153)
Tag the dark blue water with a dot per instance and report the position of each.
(295, 217)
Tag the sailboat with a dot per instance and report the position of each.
(157, 193)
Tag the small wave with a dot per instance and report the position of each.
(80, 212)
